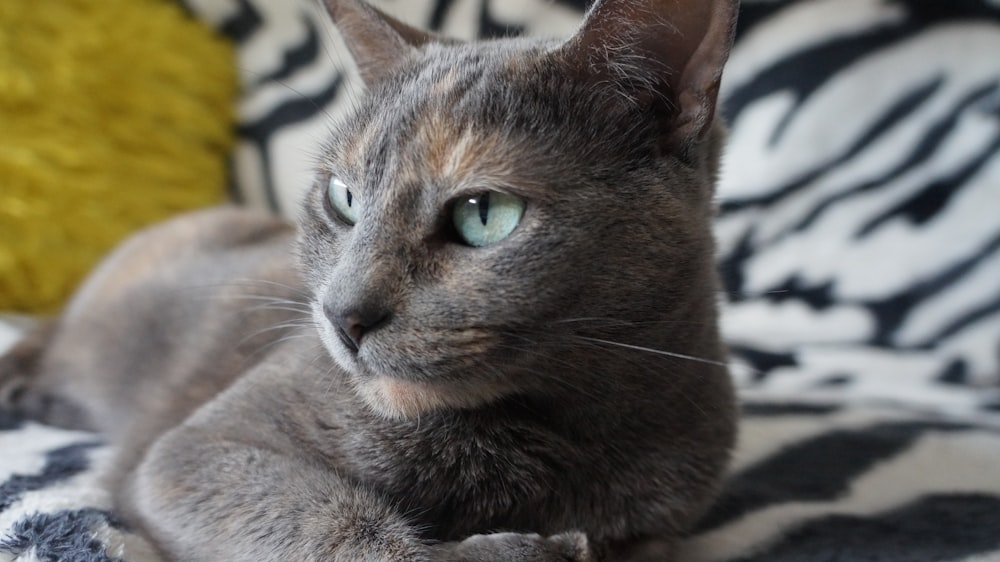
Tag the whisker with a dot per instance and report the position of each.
(655, 351)
(626, 323)
(335, 56)
(289, 306)
(282, 326)
(678, 386)
(731, 366)
(296, 290)
(549, 375)
(260, 351)
(269, 306)
(276, 300)
(318, 107)
(247, 284)
(212, 293)
(268, 298)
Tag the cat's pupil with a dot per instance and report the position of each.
(484, 207)
(350, 199)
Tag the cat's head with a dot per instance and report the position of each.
(490, 210)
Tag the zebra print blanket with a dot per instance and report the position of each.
(860, 247)
(811, 481)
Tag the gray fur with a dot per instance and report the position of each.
(559, 395)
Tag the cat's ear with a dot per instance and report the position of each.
(667, 52)
(377, 41)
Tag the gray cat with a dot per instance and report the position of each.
(496, 340)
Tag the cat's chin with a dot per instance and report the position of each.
(400, 399)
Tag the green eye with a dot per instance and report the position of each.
(487, 218)
(343, 201)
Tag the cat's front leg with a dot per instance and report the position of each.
(203, 497)
(30, 390)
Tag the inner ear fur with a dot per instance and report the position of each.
(664, 52)
(377, 41)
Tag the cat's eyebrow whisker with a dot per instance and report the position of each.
(329, 116)
(338, 61)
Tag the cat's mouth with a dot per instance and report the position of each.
(395, 389)
(381, 368)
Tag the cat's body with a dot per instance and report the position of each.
(416, 388)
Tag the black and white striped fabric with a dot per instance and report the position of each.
(859, 233)
(860, 221)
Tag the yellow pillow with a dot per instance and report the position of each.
(113, 114)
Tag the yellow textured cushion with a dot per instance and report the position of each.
(113, 114)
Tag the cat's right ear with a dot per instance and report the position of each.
(667, 54)
(378, 42)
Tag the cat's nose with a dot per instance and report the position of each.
(353, 323)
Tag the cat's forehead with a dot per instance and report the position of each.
(444, 117)
(499, 115)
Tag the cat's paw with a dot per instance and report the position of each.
(518, 547)
(14, 378)
(27, 391)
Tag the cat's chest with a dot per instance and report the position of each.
(462, 476)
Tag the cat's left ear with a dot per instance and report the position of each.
(668, 52)
(377, 41)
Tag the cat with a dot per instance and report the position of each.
(493, 335)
